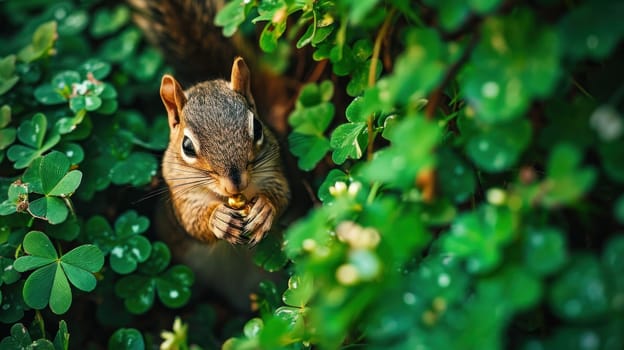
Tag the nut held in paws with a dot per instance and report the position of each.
(237, 201)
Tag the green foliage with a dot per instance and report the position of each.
(126, 338)
(72, 78)
(312, 115)
(21, 339)
(515, 61)
(125, 246)
(49, 283)
(475, 167)
(466, 155)
(172, 286)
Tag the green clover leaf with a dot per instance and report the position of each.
(458, 177)
(72, 151)
(451, 13)
(61, 340)
(514, 286)
(269, 254)
(50, 95)
(545, 250)
(566, 180)
(127, 339)
(8, 134)
(413, 140)
(273, 30)
(32, 133)
(249, 339)
(317, 31)
(300, 290)
(137, 292)
(480, 236)
(17, 196)
(83, 91)
(581, 292)
(285, 319)
(145, 65)
(172, 286)
(20, 339)
(586, 31)
(59, 90)
(158, 261)
(8, 78)
(96, 176)
(232, 15)
(125, 245)
(310, 149)
(8, 275)
(310, 119)
(349, 141)
(42, 42)
(445, 277)
(122, 46)
(417, 70)
(49, 284)
(515, 61)
(497, 147)
(108, 21)
(154, 136)
(49, 176)
(137, 170)
(97, 68)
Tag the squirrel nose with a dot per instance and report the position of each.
(237, 181)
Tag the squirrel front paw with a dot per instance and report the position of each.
(228, 224)
(259, 219)
(243, 225)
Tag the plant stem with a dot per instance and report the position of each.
(372, 72)
(70, 206)
(39, 318)
(373, 192)
(372, 69)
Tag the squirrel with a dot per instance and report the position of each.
(222, 164)
(219, 154)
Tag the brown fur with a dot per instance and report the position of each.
(217, 114)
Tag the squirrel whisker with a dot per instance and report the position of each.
(198, 177)
(152, 194)
(194, 182)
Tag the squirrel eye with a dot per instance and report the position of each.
(188, 148)
(258, 135)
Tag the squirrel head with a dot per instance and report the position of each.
(214, 129)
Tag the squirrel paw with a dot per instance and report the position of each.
(228, 224)
(259, 219)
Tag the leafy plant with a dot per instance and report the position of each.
(125, 246)
(456, 185)
(465, 159)
(172, 286)
(49, 283)
(67, 139)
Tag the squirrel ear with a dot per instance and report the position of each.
(173, 97)
(241, 81)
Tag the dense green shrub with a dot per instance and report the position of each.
(467, 159)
